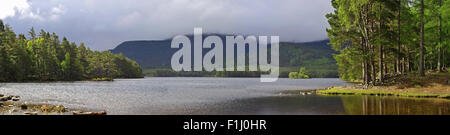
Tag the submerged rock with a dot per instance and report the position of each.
(88, 113)
(13, 111)
(23, 107)
(30, 113)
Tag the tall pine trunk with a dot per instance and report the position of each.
(363, 63)
(398, 63)
(381, 67)
(439, 67)
(422, 42)
(366, 75)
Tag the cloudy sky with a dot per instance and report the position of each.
(103, 24)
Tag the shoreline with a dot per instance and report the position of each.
(381, 93)
(11, 105)
(88, 80)
(434, 85)
(339, 92)
(427, 92)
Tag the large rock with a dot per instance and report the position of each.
(46, 108)
(60, 108)
(15, 99)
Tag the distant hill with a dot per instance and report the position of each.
(149, 54)
(315, 56)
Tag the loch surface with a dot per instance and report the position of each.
(214, 96)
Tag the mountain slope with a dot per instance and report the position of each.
(315, 56)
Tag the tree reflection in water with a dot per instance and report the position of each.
(376, 105)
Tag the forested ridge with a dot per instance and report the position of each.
(154, 57)
(44, 57)
(384, 38)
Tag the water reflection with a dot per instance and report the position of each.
(280, 105)
(331, 105)
(374, 105)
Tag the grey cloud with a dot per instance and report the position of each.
(103, 24)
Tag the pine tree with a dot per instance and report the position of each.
(44, 57)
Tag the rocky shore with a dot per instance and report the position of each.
(11, 105)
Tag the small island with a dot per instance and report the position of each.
(302, 74)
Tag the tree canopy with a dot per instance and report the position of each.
(44, 57)
(380, 38)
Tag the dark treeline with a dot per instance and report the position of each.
(44, 57)
(380, 38)
(165, 72)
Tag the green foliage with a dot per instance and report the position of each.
(126, 67)
(302, 74)
(376, 38)
(317, 57)
(65, 64)
(293, 75)
(44, 57)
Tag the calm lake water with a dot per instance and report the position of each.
(214, 96)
